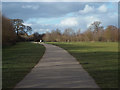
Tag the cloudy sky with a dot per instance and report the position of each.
(47, 16)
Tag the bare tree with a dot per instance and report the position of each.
(111, 33)
(96, 27)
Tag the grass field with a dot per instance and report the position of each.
(18, 60)
(100, 59)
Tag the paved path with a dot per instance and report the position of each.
(57, 69)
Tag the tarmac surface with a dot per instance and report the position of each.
(57, 69)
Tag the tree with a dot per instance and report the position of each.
(46, 37)
(19, 27)
(55, 35)
(96, 28)
(88, 35)
(8, 33)
(67, 34)
(28, 29)
(36, 36)
(111, 33)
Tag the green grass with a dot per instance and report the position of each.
(18, 60)
(100, 59)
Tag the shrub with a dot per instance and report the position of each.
(8, 33)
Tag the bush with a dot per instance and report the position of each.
(8, 33)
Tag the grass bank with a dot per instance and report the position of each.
(100, 59)
(18, 60)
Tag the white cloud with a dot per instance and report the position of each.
(44, 30)
(87, 9)
(70, 22)
(26, 24)
(102, 8)
(90, 14)
(41, 30)
(31, 7)
(90, 9)
(83, 21)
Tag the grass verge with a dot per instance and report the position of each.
(100, 59)
(18, 60)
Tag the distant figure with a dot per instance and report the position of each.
(40, 41)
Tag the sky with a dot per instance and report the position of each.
(47, 16)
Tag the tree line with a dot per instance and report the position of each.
(95, 32)
(13, 30)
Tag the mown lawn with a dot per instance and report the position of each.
(100, 59)
(18, 60)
